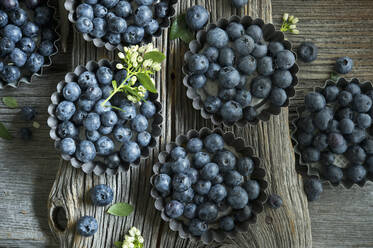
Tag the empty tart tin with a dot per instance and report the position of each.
(242, 215)
(101, 164)
(341, 154)
(256, 108)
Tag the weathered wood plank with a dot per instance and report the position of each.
(289, 226)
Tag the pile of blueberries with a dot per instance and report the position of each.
(120, 21)
(248, 70)
(26, 38)
(88, 129)
(336, 122)
(204, 184)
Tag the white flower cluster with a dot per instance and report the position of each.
(134, 239)
(291, 21)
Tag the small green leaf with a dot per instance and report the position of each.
(118, 244)
(334, 76)
(4, 133)
(146, 82)
(155, 56)
(114, 83)
(36, 124)
(120, 209)
(9, 101)
(179, 29)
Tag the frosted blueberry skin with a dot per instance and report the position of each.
(101, 195)
(87, 226)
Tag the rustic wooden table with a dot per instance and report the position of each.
(341, 218)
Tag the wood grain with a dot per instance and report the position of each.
(286, 227)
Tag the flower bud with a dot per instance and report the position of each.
(292, 26)
(295, 31)
(139, 59)
(295, 20)
(140, 239)
(119, 66)
(285, 16)
(291, 18)
(121, 55)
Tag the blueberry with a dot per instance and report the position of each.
(196, 17)
(200, 159)
(237, 197)
(18, 16)
(307, 52)
(181, 165)
(87, 226)
(214, 142)
(106, 91)
(34, 62)
(209, 171)
(197, 81)
(84, 10)
(161, 9)
(313, 188)
(245, 166)
(217, 180)
(91, 2)
(123, 9)
(178, 152)
(92, 135)
(252, 188)
(250, 114)
(28, 113)
(344, 113)
(67, 146)
(84, 25)
(211, 53)
(217, 37)
(202, 187)
(99, 28)
(48, 34)
(144, 138)
(6, 46)
(243, 214)
(243, 97)
(100, 11)
(229, 77)
(239, 3)
(104, 75)
(356, 173)
(139, 123)
(353, 88)
(278, 97)
(85, 151)
(12, 32)
(151, 27)
(304, 139)
(344, 65)
(166, 168)
(265, 66)
(314, 101)
(184, 196)
(244, 45)
(144, 2)
(130, 152)
(181, 182)
(3, 19)
(247, 64)
(355, 154)
(231, 111)
(43, 15)
(104, 146)
(361, 103)
(112, 38)
(227, 94)
(198, 199)
(274, 201)
(212, 104)
(327, 158)
(162, 182)
(101, 195)
(284, 60)
(225, 160)
(65, 110)
(363, 120)
(217, 193)
(260, 50)
(235, 30)
(92, 122)
(129, 113)
(233, 178)
(197, 63)
(105, 130)
(117, 25)
(261, 87)
(332, 173)
(143, 15)
(109, 118)
(275, 47)
(310, 154)
(27, 45)
(67, 129)
(133, 35)
(337, 143)
(78, 117)
(346, 126)
(194, 145)
(331, 93)
(226, 56)
(113, 161)
(357, 136)
(120, 76)
(174, 209)
(122, 134)
(192, 174)
(197, 227)
(190, 210)
(109, 3)
(207, 211)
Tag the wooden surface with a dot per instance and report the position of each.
(341, 218)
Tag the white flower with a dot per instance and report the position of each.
(134, 48)
(295, 31)
(141, 94)
(292, 26)
(121, 55)
(132, 231)
(141, 88)
(131, 98)
(291, 18)
(140, 59)
(142, 49)
(135, 64)
(140, 239)
(119, 66)
(285, 17)
(147, 63)
(295, 20)
(133, 80)
(129, 238)
(126, 49)
(125, 245)
(156, 66)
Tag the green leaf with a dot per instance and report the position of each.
(9, 101)
(120, 209)
(155, 56)
(118, 244)
(114, 83)
(146, 82)
(334, 76)
(179, 29)
(36, 124)
(4, 133)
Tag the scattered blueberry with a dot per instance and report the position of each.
(101, 195)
